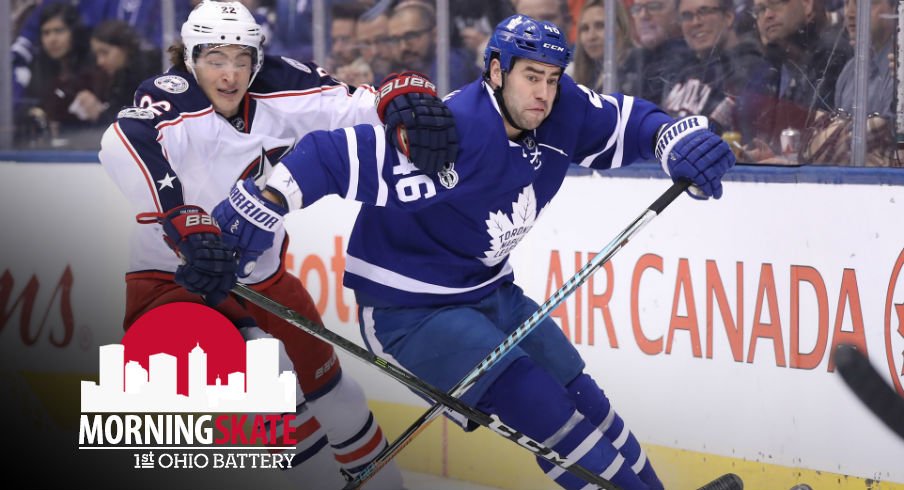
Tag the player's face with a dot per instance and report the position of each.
(224, 72)
(529, 92)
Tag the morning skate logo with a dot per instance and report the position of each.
(184, 379)
(894, 325)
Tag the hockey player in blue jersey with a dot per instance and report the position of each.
(428, 255)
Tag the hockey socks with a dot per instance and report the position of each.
(530, 400)
(355, 436)
(593, 403)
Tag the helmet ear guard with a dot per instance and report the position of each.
(219, 23)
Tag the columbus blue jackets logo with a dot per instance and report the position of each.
(173, 84)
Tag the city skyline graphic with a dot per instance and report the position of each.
(126, 386)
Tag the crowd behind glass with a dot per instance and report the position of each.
(775, 77)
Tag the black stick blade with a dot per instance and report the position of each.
(863, 379)
(728, 481)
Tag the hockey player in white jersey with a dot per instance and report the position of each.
(428, 255)
(225, 113)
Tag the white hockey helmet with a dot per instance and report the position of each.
(214, 23)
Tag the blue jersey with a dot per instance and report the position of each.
(423, 240)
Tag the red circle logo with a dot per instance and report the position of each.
(176, 329)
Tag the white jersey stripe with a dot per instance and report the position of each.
(554, 149)
(351, 139)
(627, 105)
(588, 160)
(395, 280)
(382, 189)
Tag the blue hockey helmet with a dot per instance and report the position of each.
(520, 36)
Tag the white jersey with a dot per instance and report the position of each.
(171, 148)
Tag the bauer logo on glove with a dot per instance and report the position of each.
(417, 121)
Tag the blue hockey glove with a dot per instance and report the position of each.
(248, 221)
(209, 265)
(417, 121)
(688, 149)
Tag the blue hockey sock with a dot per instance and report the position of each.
(593, 403)
(529, 399)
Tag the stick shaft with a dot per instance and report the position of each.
(413, 382)
(525, 328)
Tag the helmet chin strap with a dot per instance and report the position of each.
(497, 93)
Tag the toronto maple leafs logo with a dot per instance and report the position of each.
(506, 231)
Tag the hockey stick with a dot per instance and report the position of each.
(523, 330)
(489, 421)
(863, 379)
(728, 481)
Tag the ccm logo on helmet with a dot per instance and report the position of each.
(553, 47)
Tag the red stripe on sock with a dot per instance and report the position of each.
(363, 450)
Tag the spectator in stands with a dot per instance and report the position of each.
(356, 73)
(723, 63)
(806, 56)
(830, 138)
(343, 43)
(372, 36)
(143, 15)
(555, 11)
(661, 51)
(412, 34)
(63, 68)
(118, 53)
(473, 21)
(590, 47)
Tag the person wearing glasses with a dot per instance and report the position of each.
(372, 35)
(412, 37)
(724, 62)
(806, 54)
(661, 52)
(831, 142)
